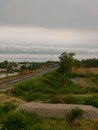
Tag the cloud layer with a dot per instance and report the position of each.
(80, 14)
(36, 29)
(27, 41)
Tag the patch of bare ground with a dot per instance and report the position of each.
(58, 110)
(7, 98)
(85, 82)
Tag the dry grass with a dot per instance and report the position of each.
(6, 98)
(85, 82)
(86, 70)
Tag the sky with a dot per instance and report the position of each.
(40, 30)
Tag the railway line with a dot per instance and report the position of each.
(3, 84)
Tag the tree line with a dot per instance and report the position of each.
(91, 62)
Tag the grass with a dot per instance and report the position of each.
(52, 88)
(21, 120)
(36, 122)
(44, 87)
(83, 100)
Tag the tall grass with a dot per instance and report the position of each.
(51, 87)
(21, 120)
(44, 87)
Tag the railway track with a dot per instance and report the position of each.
(3, 85)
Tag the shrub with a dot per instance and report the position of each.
(74, 114)
(16, 121)
(93, 89)
(56, 99)
(8, 106)
(93, 101)
(5, 109)
(75, 100)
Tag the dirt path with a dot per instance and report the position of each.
(58, 110)
(6, 98)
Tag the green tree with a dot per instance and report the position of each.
(66, 63)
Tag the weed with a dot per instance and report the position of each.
(74, 114)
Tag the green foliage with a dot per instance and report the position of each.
(39, 88)
(66, 63)
(95, 78)
(93, 101)
(21, 120)
(75, 75)
(7, 107)
(75, 100)
(93, 89)
(89, 62)
(74, 114)
(16, 121)
(50, 87)
(56, 99)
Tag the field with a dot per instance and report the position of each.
(81, 88)
(51, 88)
(83, 70)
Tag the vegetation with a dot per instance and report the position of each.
(54, 87)
(21, 120)
(74, 114)
(66, 63)
(16, 121)
(42, 89)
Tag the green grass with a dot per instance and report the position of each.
(22, 120)
(44, 87)
(53, 88)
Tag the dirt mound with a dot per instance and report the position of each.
(58, 110)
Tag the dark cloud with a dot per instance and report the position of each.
(80, 14)
(41, 50)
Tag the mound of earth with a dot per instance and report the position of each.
(58, 110)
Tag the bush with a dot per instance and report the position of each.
(7, 107)
(16, 121)
(56, 99)
(75, 100)
(93, 89)
(93, 101)
(74, 114)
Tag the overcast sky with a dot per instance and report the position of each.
(38, 30)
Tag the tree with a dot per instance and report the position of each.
(66, 63)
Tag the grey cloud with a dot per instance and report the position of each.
(18, 52)
(80, 14)
(38, 50)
